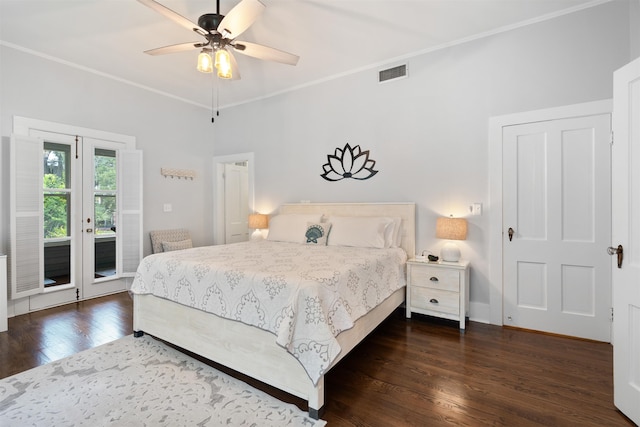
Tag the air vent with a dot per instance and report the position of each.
(392, 73)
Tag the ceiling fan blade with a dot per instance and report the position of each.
(235, 71)
(240, 18)
(174, 48)
(264, 52)
(175, 17)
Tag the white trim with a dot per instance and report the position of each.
(496, 125)
(218, 190)
(24, 126)
(4, 308)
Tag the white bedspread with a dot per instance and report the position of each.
(306, 295)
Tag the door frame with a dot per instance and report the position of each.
(496, 125)
(218, 190)
(23, 126)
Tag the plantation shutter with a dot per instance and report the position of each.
(26, 218)
(130, 211)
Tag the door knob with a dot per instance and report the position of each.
(510, 231)
(619, 251)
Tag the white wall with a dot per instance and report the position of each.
(428, 133)
(170, 132)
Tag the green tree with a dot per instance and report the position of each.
(105, 204)
(105, 172)
(55, 207)
(56, 204)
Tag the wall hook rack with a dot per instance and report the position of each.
(178, 173)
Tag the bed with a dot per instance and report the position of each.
(266, 341)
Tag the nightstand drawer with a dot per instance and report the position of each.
(433, 277)
(443, 301)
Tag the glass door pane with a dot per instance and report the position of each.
(57, 214)
(105, 212)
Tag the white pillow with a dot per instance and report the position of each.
(290, 227)
(392, 232)
(397, 236)
(363, 232)
(176, 246)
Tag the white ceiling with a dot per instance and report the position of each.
(332, 37)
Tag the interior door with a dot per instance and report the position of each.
(557, 216)
(236, 177)
(626, 233)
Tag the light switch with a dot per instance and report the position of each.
(167, 207)
(476, 209)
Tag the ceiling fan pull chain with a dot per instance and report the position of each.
(215, 98)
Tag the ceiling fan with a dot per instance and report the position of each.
(220, 33)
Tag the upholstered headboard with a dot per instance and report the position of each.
(406, 211)
(159, 236)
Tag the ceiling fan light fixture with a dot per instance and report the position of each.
(223, 64)
(220, 31)
(205, 62)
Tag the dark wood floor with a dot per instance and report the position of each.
(419, 372)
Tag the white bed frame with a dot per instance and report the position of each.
(253, 351)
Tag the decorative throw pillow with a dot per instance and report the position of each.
(317, 233)
(176, 246)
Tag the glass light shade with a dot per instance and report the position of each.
(258, 221)
(205, 62)
(223, 63)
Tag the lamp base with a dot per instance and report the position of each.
(257, 235)
(450, 252)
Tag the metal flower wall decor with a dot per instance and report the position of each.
(348, 163)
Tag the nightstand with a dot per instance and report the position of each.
(438, 289)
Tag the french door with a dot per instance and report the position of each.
(76, 237)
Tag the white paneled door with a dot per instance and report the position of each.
(557, 216)
(236, 205)
(626, 235)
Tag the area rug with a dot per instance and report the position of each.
(138, 382)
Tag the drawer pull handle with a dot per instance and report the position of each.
(433, 301)
(433, 279)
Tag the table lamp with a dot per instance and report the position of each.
(258, 222)
(451, 229)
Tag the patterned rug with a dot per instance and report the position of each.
(138, 382)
